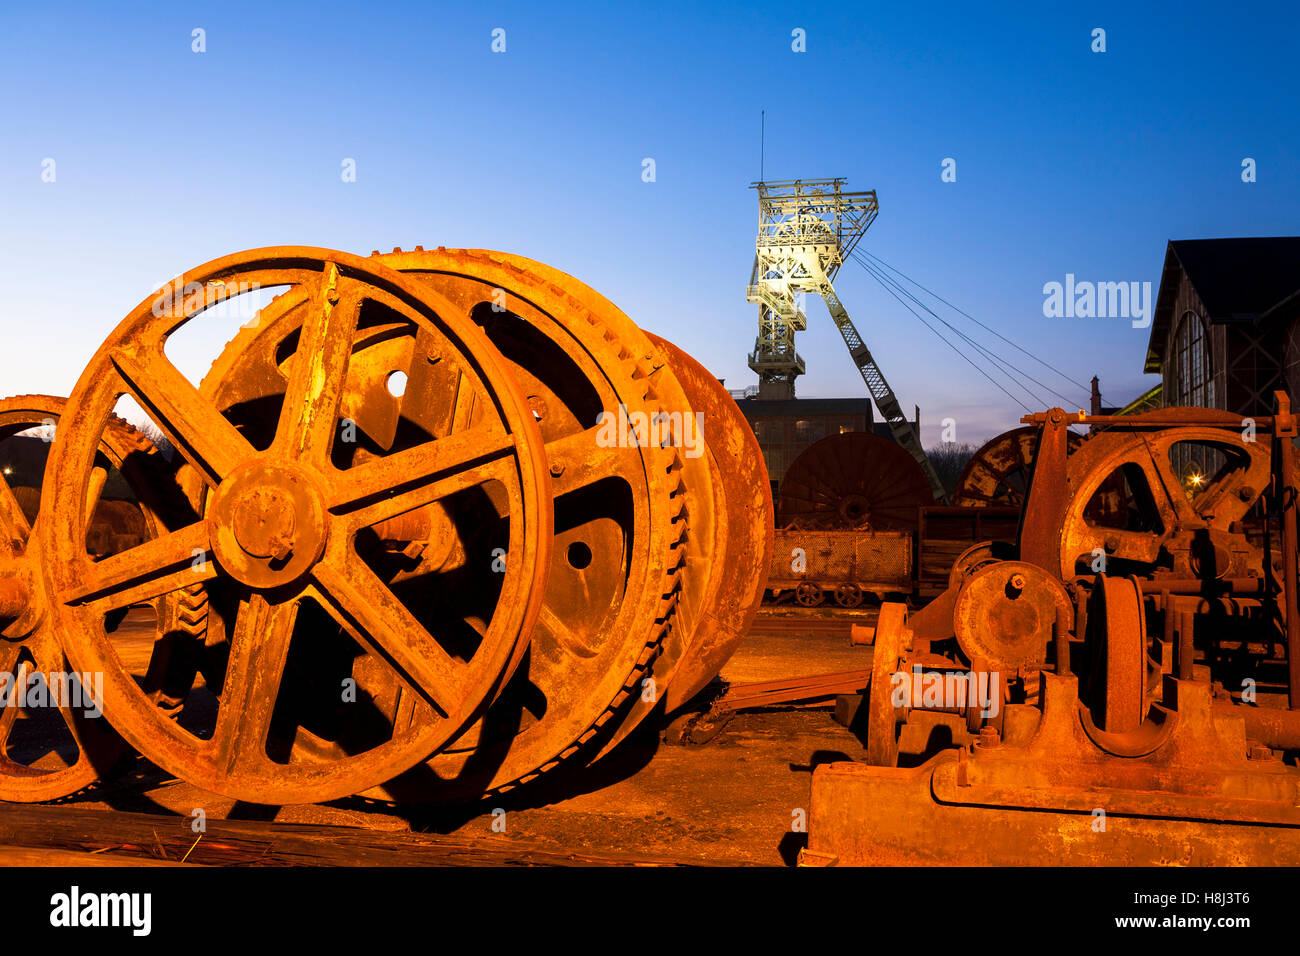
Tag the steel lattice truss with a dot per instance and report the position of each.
(806, 229)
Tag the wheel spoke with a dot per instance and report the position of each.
(358, 600)
(309, 417)
(204, 436)
(98, 478)
(9, 654)
(258, 652)
(384, 487)
(575, 457)
(13, 523)
(48, 660)
(158, 566)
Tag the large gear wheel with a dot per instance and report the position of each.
(301, 522)
(61, 744)
(744, 530)
(619, 516)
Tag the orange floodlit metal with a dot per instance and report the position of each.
(453, 517)
(1142, 644)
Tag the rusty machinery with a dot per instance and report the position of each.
(51, 745)
(846, 518)
(451, 515)
(1122, 688)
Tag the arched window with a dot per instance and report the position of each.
(1192, 380)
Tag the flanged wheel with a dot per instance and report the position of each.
(848, 595)
(809, 594)
(54, 740)
(743, 530)
(287, 515)
(1152, 515)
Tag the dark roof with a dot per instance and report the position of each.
(805, 406)
(1237, 280)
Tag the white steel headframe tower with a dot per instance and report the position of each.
(806, 228)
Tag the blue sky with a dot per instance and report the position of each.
(1068, 161)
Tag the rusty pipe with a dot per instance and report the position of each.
(1273, 727)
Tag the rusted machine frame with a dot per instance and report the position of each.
(1183, 788)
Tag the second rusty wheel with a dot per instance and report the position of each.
(998, 473)
(848, 595)
(743, 530)
(54, 740)
(285, 518)
(855, 480)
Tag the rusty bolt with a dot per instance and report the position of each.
(989, 738)
(1259, 752)
(557, 469)
(1017, 582)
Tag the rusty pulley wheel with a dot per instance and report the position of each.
(1005, 613)
(296, 512)
(586, 373)
(1117, 637)
(695, 521)
(54, 739)
(1152, 516)
(855, 480)
(743, 531)
(997, 475)
(848, 594)
(890, 655)
(809, 594)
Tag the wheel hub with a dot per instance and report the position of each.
(267, 524)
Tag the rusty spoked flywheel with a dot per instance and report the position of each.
(54, 740)
(587, 375)
(298, 522)
(854, 480)
(1128, 501)
(997, 475)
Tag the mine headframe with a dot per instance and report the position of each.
(806, 229)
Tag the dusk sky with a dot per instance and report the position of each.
(1068, 161)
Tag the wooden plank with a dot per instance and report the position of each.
(142, 836)
(31, 856)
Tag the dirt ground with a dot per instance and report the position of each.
(731, 800)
